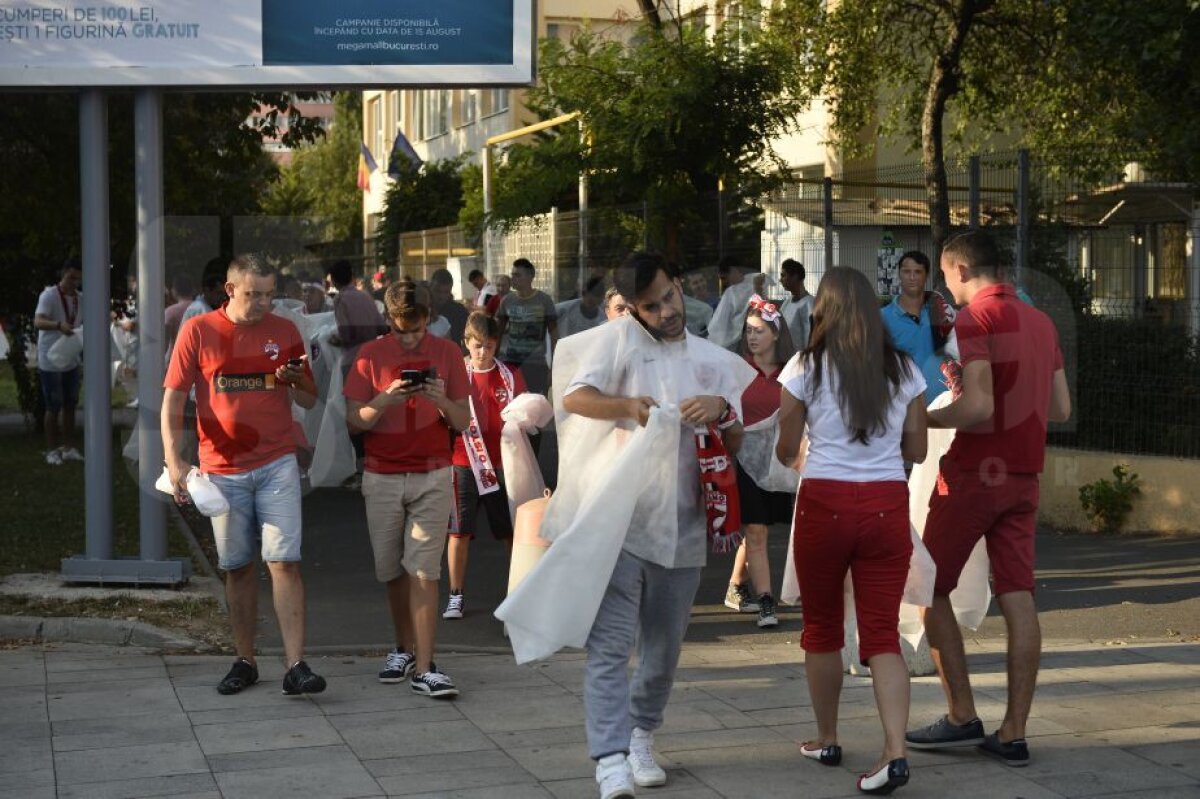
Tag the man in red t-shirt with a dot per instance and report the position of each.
(1013, 383)
(406, 391)
(247, 366)
(478, 470)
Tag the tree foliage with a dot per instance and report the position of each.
(667, 116)
(321, 179)
(1091, 80)
(428, 197)
(213, 164)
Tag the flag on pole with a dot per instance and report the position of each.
(366, 165)
(402, 151)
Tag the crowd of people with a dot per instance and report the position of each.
(801, 409)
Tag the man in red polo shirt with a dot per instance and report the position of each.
(248, 366)
(406, 392)
(1012, 384)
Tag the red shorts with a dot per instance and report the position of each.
(861, 528)
(967, 505)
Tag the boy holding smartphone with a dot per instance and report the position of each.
(405, 392)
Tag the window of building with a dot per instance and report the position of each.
(468, 110)
(396, 109)
(497, 101)
(433, 112)
(375, 126)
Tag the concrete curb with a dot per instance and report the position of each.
(77, 630)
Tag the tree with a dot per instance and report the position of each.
(1080, 77)
(668, 116)
(420, 198)
(321, 180)
(213, 164)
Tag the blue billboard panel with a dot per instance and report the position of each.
(387, 32)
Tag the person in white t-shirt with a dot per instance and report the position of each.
(863, 403)
(59, 313)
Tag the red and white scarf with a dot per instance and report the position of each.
(481, 461)
(718, 483)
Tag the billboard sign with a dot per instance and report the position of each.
(267, 43)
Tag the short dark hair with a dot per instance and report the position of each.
(638, 271)
(182, 284)
(791, 266)
(919, 257)
(341, 272)
(71, 263)
(594, 286)
(249, 263)
(474, 273)
(977, 249)
(524, 263)
(727, 263)
(442, 277)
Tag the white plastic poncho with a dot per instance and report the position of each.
(522, 476)
(725, 327)
(757, 457)
(612, 472)
(621, 359)
(577, 567)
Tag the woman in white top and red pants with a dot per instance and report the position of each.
(863, 404)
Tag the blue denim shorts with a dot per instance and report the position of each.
(60, 389)
(264, 514)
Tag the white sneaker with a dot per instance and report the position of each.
(614, 777)
(454, 607)
(54, 457)
(646, 771)
(71, 454)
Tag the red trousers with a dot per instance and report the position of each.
(862, 528)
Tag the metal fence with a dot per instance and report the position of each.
(1114, 260)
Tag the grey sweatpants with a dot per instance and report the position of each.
(659, 601)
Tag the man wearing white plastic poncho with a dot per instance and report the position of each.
(629, 523)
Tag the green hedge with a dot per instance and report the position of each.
(1136, 390)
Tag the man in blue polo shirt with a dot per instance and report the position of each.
(920, 321)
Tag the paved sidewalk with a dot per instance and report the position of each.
(97, 722)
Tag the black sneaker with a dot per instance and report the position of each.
(301, 680)
(242, 675)
(399, 664)
(943, 734)
(433, 683)
(1015, 752)
(766, 611)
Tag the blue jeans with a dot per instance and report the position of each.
(264, 514)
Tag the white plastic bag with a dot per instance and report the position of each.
(207, 498)
(522, 476)
(333, 454)
(65, 353)
(577, 567)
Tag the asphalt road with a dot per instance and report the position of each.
(1098, 588)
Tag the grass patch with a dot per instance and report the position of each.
(199, 619)
(43, 507)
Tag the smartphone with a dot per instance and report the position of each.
(414, 377)
(295, 362)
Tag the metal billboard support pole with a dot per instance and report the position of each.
(99, 564)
